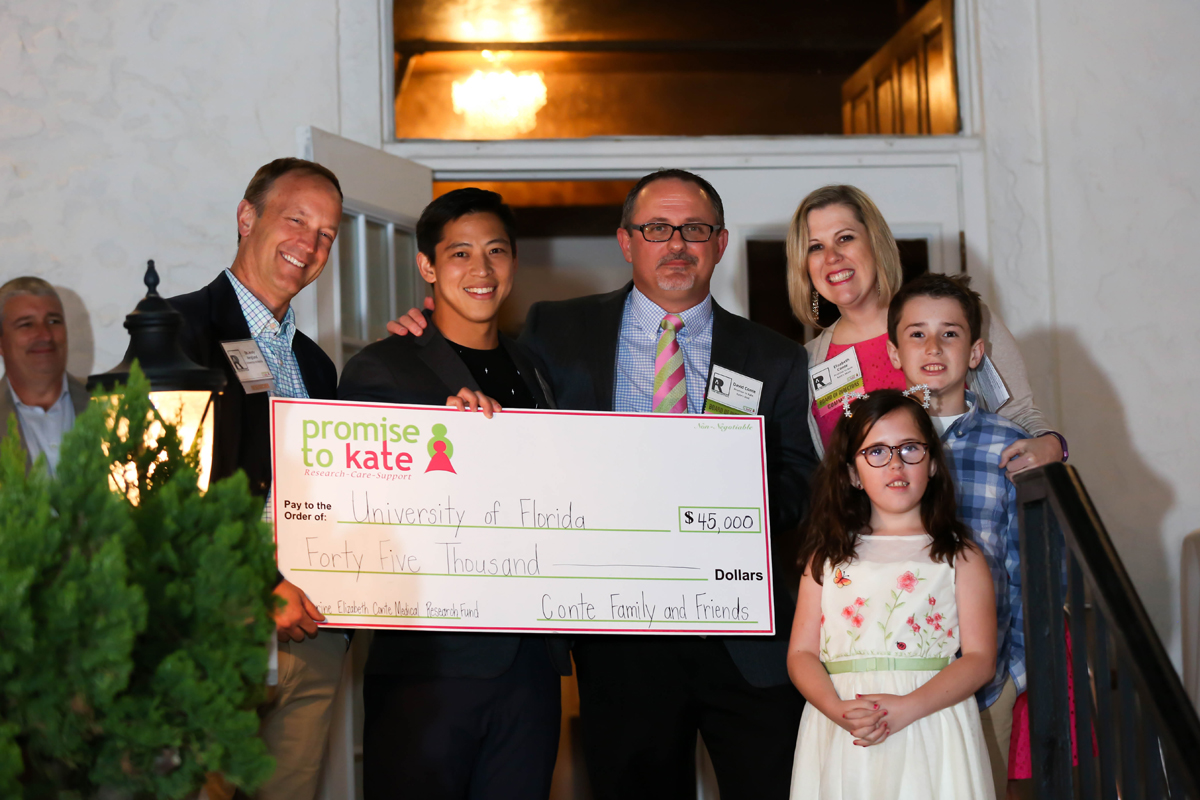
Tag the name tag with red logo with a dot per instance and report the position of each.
(730, 392)
(249, 365)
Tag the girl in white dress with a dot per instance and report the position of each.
(895, 626)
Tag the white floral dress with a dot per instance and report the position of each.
(892, 601)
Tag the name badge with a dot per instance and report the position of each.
(831, 380)
(731, 393)
(992, 392)
(249, 365)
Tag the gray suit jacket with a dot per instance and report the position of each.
(79, 399)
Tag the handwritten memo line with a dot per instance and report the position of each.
(507, 527)
(471, 575)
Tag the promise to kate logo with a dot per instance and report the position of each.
(367, 445)
(371, 440)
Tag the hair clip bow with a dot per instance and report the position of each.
(847, 397)
(922, 387)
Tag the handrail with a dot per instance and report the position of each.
(1145, 727)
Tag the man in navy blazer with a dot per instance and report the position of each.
(643, 698)
(287, 222)
(458, 715)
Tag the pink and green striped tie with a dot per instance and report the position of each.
(670, 388)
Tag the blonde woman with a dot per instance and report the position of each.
(841, 250)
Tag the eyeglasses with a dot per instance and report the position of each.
(880, 455)
(690, 231)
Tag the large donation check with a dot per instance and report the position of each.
(428, 518)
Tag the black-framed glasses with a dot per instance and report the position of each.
(690, 231)
(880, 455)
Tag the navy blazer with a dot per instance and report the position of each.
(578, 339)
(242, 429)
(425, 370)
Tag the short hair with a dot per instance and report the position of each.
(888, 271)
(260, 185)
(26, 284)
(455, 205)
(667, 175)
(931, 284)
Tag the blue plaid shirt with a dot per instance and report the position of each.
(641, 323)
(987, 503)
(274, 339)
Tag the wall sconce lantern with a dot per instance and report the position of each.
(181, 390)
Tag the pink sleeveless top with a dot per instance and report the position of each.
(877, 372)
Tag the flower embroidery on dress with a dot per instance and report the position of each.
(908, 582)
(894, 630)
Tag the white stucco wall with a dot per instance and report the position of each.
(128, 131)
(1090, 112)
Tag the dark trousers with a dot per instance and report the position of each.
(464, 738)
(642, 701)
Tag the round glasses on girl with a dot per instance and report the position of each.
(880, 455)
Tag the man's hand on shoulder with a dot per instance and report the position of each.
(468, 400)
(297, 617)
(412, 321)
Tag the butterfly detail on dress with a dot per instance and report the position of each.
(841, 578)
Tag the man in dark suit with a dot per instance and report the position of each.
(36, 386)
(643, 698)
(458, 715)
(287, 222)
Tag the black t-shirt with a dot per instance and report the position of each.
(497, 376)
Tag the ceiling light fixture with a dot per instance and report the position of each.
(498, 105)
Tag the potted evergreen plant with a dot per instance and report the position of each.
(133, 630)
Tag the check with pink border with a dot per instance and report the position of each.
(425, 518)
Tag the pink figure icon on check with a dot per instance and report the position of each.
(440, 451)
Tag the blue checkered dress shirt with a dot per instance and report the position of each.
(987, 503)
(641, 323)
(274, 339)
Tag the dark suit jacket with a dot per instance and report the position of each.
(425, 370)
(79, 400)
(242, 430)
(577, 340)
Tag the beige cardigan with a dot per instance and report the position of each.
(1000, 347)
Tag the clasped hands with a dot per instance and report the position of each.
(872, 718)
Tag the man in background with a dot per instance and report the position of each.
(36, 386)
(286, 223)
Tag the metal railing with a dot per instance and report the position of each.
(1136, 730)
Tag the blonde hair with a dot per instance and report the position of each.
(888, 273)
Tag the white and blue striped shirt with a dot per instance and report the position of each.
(641, 323)
(274, 339)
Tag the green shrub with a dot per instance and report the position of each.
(132, 635)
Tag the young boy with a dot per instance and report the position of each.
(934, 339)
(452, 714)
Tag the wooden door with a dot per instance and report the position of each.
(908, 87)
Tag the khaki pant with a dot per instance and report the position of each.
(997, 732)
(296, 726)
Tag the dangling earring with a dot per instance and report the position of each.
(816, 305)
